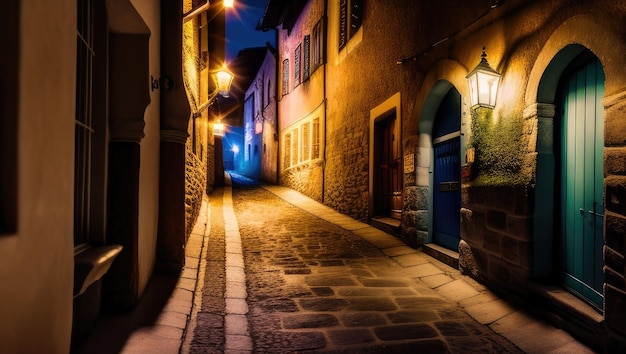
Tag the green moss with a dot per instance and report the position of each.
(500, 147)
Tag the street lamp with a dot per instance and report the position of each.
(229, 3)
(224, 79)
(483, 84)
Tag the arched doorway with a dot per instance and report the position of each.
(569, 201)
(579, 148)
(446, 166)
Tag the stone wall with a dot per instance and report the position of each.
(496, 225)
(346, 184)
(306, 178)
(615, 212)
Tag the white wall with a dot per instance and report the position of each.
(36, 263)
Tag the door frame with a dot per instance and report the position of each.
(381, 112)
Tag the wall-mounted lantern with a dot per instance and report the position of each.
(483, 84)
(224, 79)
(229, 3)
(219, 129)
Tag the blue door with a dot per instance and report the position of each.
(446, 172)
(581, 180)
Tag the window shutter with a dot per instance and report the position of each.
(307, 58)
(343, 23)
(356, 14)
(297, 65)
(285, 76)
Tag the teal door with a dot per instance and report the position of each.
(581, 179)
(447, 172)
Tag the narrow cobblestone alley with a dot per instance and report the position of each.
(312, 286)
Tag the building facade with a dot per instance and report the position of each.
(526, 195)
(95, 120)
(300, 93)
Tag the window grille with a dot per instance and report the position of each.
(83, 120)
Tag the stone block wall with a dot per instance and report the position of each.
(496, 227)
(306, 178)
(346, 186)
(615, 213)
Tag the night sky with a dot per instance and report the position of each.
(241, 22)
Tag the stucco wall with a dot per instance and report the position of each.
(37, 261)
(149, 169)
(303, 103)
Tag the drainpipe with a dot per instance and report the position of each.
(324, 44)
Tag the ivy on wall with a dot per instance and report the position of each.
(500, 147)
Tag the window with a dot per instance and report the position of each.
(307, 58)
(83, 121)
(306, 141)
(302, 143)
(317, 47)
(287, 151)
(315, 139)
(350, 16)
(294, 147)
(285, 76)
(297, 65)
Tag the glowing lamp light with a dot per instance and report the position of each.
(235, 149)
(219, 128)
(483, 84)
(224, 79)
(229, 3)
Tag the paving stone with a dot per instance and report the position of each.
(371, 304)
(411, 259)
(323, 291)
(174, 319)
(405, 331)
(398, 251)
(360, 319)
(309, 320)
(420, 302)
(350, 336)
(425, 270)
(323, 304)
(383, 283)
(452, 328)
(236, 306)
(328, 280)
(457, 290)
(489, 312)
(349, 291)
(413, 316)
(436, 280)
(236, 324)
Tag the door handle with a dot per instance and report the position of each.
(591, 212)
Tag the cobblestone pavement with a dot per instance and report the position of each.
(285, 274)
(316, 287)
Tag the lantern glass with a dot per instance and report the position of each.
(224, 80)
(229, 3)
(483, 84)
(218, 129)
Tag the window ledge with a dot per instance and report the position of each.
(90, 264)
